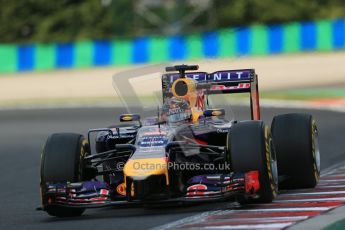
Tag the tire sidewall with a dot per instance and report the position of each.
(254, 158)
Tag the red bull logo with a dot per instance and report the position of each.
(120, 189)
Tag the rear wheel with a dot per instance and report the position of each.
(296, 142)
(251, 148)
(62, 161)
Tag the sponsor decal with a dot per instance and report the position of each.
(222, 130)
(153, 141)
(196, 190)
(155, 133)
(200, 102)
(130, 117)
(224, 87)
(218, 76)
(121, 189)
(216, 113)
(127, 118)
(132, 190)
(122, 136)
(104, 192)
(251, 180)
(175, 111)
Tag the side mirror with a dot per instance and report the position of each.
(214, 112)
(129, 117)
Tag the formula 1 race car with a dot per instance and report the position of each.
(189, 152)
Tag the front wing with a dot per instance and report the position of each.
(202, 188)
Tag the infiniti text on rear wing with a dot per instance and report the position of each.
(226, 81)
(222, 82)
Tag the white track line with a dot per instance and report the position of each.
(250, 226)
(313, 193)
(196, 218)
(331, 186)
(292, 218)
(287, 209)
(311, 199)
(272, 103)
(333, 169)
(332, 180)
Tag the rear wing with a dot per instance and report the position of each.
(221, 82)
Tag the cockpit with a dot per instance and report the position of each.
(175, 111)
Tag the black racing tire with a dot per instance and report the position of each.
(296, 143)
(250, 146)
(62, 161)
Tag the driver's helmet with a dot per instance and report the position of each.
(176, 110)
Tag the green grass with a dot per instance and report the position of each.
(339, 225)
(304, 94)
(298, 94)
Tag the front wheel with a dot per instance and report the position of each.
(61, 162)
(250, 146)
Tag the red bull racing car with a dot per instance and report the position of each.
(189, 152)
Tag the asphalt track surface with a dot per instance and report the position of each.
(23, 133)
